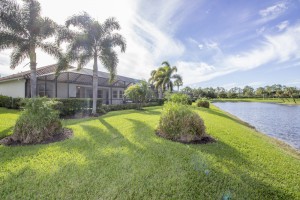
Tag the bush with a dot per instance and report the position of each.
(202, 103)
(180, 98)
(10, 102)
(108, 108)
(38, 122)
(71, 106)
(178, 122)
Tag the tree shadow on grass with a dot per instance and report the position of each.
(227, 116)
(6, 132)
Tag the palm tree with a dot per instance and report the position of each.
(24, 30)
(178, 81)
(163, 76)
(94, 41)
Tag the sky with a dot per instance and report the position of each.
(225, 43)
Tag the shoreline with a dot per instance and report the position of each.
(282, 144)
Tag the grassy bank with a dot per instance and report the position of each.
(289, 101)
(118, 156)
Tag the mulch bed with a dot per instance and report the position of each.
(204, 140)
(65, 134)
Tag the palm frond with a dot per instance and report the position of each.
(84, 59)
(10, 17)
(177, 77)
(109, 59)
(9, 40)
(64, 35)
(47, 28)
(31, 14)
(115, 40)
(111, 24)
(165, 63)
(82, 21)
(50, 49)
(18, 55)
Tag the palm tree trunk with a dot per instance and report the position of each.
(160, 93)
(33, 80)
(95, 85)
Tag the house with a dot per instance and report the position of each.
(71, 83)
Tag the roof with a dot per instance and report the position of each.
(49, 73)
(26, 75)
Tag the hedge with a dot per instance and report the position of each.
(10, 102)
(71, 106)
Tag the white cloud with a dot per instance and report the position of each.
(283, 25)
(260, 31)
(274, 10)
(278, 48)
(147, 43)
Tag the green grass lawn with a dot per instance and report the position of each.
(266, 100)
(118, 156)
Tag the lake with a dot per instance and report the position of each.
(276, 120)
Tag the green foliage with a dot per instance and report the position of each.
(108, 108)
(71, 106)
(139, 93)
(10, 102)
(179, 122)
(180, 98)
(39, 121)
(202, 103)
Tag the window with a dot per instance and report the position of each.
(115, 94)
(89, 93)
(100, 94)
(121, 94)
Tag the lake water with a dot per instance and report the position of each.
(279, 121)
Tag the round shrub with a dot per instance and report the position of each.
(38, 122)
(202, 103)
(180, 98)
(178, 122)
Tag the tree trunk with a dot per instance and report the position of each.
(160, 93)
(33, 80)
(95, 85)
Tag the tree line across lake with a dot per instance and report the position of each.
(273, 91)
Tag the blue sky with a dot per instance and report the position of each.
(213, 43)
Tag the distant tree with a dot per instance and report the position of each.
(163, 77)
(187, 90)
(291, 92)
(139, 93)
(178, 82)
(260, 92)
(94, 41)
(25, 30)
(248, 91)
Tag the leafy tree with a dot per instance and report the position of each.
(139, 93)
(248, 91)
(291, 92)
(94, 41)
(25, 30)
(260, 92)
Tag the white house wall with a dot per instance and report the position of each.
(13, 88)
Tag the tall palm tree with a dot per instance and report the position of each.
(25, 30)
(94, 41)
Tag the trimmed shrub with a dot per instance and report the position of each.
(38, 122)
(202, 103)
(71, 106)
(10, 102)
(178, 122)
(180, 98)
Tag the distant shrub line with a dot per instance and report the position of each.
(71, 106)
